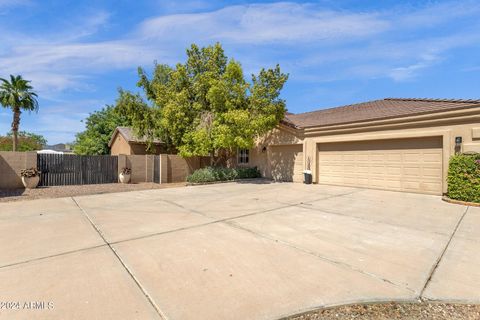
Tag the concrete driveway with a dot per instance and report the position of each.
(232, 251)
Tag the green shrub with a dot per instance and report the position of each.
(464, 177)
(211, 174)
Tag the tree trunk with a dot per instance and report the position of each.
(15, 126)
(212, 158)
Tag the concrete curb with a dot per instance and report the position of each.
(464, 203)
(377, 301)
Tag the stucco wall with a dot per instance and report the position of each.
(448, 125)
(120, 146)
(173, 168)
(448, 132)
(11, 163)
(142, 167)
(261, 154)
(141, 148)
(179, 168)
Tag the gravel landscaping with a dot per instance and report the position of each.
(69, 191)
(395, 311)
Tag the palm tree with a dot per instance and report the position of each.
(17, 95)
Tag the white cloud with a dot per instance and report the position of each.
(319, 36)
(410, 71)
(66, 66)
(312, 43)
(265, 23)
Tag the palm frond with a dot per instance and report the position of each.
(17, 94)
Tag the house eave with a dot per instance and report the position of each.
(465, 114)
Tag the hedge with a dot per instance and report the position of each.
(464, 177)
(211, 174)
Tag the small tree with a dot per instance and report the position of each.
(206, 107)
(17, 95)
(101, 124)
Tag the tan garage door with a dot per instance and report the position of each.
(287, 163)
(410, 165)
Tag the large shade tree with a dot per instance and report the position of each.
(206, 107)
(17, 94)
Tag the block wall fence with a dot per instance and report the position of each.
(169, 169)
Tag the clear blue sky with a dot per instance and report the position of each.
(77, 53)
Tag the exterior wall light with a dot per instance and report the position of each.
(458, 144)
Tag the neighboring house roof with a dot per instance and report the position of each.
(62, 147)
(128, 134)
(49, 151)
(376, 110)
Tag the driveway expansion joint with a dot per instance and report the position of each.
(127, 269)
(51, 256)
(319, 256)
(432, 272)
(371, 220)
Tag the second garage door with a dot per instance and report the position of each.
(287, 163)
(410, 165)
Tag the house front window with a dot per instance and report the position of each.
(243, 156)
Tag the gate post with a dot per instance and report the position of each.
(163, 158)
(122, 163)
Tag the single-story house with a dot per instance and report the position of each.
(391, 144)
(124, 141)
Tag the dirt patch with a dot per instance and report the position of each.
(395, 311)
(69, 191)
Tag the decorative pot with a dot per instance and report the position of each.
(31, 182)
(124, 178)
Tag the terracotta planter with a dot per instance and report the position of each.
(124, 178)
(31, 182)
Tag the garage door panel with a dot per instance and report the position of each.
(394, 170)
(362, 169)
(394, 157)
(432, 172)
(393, 184)
(412, 171)
(431, 186)
(413, 165)
(377, 158)
(432, 157)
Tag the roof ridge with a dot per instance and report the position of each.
(435, 100)
(380, 109)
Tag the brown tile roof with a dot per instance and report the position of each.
(130, 136)
(377, 110)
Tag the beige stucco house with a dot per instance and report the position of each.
(124, 141)
(392, 144)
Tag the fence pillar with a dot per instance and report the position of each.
(163, 168)
(149, 167)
